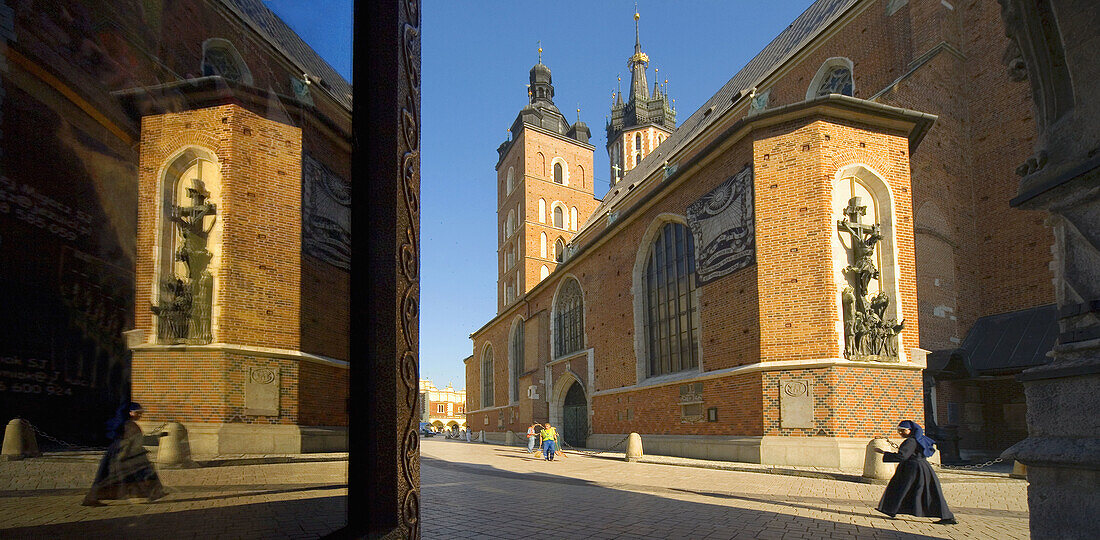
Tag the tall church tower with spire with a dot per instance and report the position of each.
(644, 121)
(545, 189)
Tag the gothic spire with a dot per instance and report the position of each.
(639, 88)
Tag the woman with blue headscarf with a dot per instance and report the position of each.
(914, 489)
(125, 471)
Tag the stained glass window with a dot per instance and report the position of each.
(569, 319)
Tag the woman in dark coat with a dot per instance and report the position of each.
(125, 471)
(914, 489)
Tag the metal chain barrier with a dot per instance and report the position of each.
(598, 452)
(77, 447)
(64, 444)
(955, 467)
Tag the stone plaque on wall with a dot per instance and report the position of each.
(261, 392)
(796, 404)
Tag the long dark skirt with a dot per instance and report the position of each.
(125, 471)
(915, 490)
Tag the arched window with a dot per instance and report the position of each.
(671, 338)
(542, 245)
(543, 272)
(559, 177)
(517, 358)
(559, 250)
(220, 57)
(833, 77)
(542, 210)
(568, 319)
(510, 224)
(511, 179)
(638, 143)
(487, 377)
(573, 218)
(559, 217)
(509, 257)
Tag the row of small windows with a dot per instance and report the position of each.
(560, 173)
(559, 248)
(669, 308)
(558, 216)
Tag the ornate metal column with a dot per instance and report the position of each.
(1054, 43)
(384, 471)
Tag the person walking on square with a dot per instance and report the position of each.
(531, 438)
(125, 471)
(914, 488)
(549, 441)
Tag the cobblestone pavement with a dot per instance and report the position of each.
(489, 491)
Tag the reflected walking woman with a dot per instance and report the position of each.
(915, 488)
(125, 471)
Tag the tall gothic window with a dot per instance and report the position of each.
(670, 333)
(517, 358)
(558, 175)
(569, 319)
(511, 179)
(637, 149)
(559, 217)
(487, 377)
(559, 250)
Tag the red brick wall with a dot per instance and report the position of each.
(323, 391)
(657, 410)
(854, 402)
(207, 386)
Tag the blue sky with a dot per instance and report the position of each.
(476, 57)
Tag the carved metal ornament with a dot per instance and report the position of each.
(186, 302)
(869, 334)
(722, 224)
(326, 214)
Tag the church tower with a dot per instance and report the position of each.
(644, 121)
(545, 189)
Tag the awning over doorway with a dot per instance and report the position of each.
(1000, 344)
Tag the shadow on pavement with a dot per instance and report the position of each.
(552, 506)
(315, 517)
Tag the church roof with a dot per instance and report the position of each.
(280, 36)
(800, 33)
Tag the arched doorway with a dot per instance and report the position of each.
(575, 417)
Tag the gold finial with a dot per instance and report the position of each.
(636, 15)
(540, 51)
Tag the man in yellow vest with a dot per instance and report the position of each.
(549, 441)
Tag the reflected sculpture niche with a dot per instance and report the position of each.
(185, 301)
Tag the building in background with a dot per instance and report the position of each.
(716, 300)
(443, 408)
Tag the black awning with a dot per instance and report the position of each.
(1010, 342)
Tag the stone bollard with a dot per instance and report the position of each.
(19, 441)
(1019, 470)
(876, 471)
(174, 450)
(634, 447)
(509, 438)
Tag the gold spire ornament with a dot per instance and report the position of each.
(540, 51)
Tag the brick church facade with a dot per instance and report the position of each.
(706, 302)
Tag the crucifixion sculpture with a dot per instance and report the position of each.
(869, 334)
